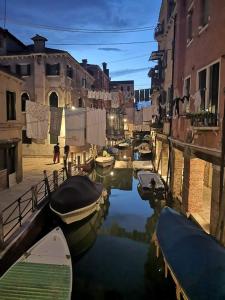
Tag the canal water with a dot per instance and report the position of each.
(112, 253)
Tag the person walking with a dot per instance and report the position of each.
(56, 156)
(66, 151)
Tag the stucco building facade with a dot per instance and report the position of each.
(10, 130)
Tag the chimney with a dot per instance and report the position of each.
(104, 65)
(84, 63)
(39, 43)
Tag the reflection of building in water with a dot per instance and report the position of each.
(82, 235)
(114, 178)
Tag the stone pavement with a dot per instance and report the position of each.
(32, 174)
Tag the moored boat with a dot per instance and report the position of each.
(151, 183)
(76, 198)
(123, 145)
(194, 258)
(113, 150)
(42, 272)
(104, 161)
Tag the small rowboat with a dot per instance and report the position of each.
(104, 161)
(146, 180)
(77, 198)
(43, 272)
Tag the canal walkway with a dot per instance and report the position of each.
(32, 174)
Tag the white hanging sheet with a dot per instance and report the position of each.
(75, 126)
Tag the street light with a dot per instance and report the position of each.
(73, 107)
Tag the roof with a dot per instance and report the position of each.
(5, 32)
(30, 49)
(6, 71)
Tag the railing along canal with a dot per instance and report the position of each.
(15, 215)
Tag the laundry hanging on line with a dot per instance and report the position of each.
(96, 127)
(55, 120)
(37, 116)
(75, 127)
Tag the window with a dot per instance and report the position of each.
(80, 102)
(11, 105)
(121, 88)
(128, 88)
(202, 87)
(204, 12)
(209, 87)
(214, 87)
(69, 72)
(2, 159)
(190, 26)
(84, 83)
(24, 98)
(170, 8)
(1, 43)
(53, 100)
(52, 70)
(25, 139)
(187, 86)
(23, 69)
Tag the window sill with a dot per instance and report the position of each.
(203, 28)
(206, 128)
(25, 76)
(52, 75)
(189, 42)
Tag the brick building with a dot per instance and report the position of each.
(197, 106)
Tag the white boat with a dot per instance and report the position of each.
(77, 198)
(42, 272)
(151, 182)
(104, 161)
(123, 145)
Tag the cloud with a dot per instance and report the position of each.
(110, 49)
(127, 71)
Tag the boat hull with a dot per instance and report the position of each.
(79, 214)
(45, 269)
(104, 162)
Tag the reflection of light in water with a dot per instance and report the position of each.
(112, 173)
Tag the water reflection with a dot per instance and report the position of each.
(121, 261)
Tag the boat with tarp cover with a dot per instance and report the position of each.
(76, 198)
(42, 272)
(151, 184)
(104, 161)
(194, 258)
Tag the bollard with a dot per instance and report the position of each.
(84, 158)
(71, 156)
(78, 161)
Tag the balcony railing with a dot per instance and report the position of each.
(203, 119)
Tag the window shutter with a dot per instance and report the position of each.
(28, 69)
(18, 70)
(58, 69)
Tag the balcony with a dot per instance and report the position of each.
(203, 120)
(159, 31)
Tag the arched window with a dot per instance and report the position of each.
(53, 102)
(24, 98)
(53, 99)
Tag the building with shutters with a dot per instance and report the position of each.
(10, 129)
(50, 77)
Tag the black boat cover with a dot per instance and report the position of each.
(196, 258)
(75, 193)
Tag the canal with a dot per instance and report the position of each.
(112, 253)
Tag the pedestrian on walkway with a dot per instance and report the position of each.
(66, 151)
(56, 156)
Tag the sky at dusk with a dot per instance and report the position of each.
(25, 18)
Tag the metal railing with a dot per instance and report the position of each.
(15, 214)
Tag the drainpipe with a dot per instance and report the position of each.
(169, 168)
